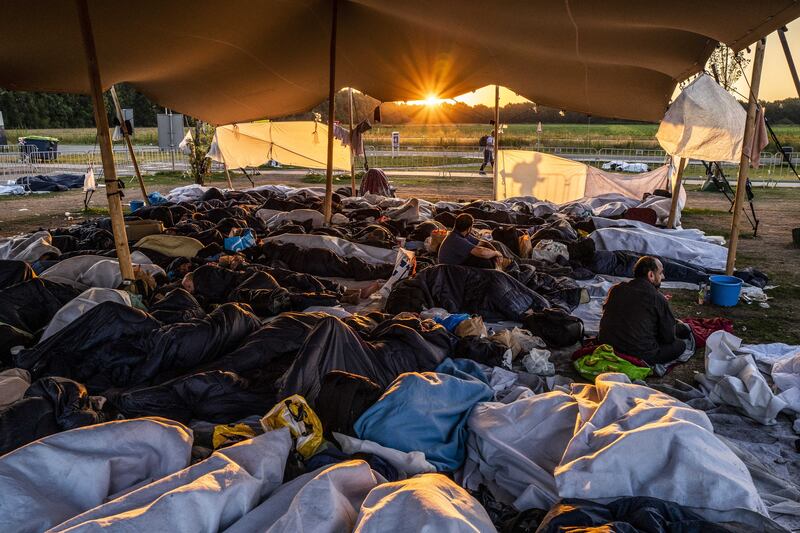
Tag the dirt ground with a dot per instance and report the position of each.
(771, 251)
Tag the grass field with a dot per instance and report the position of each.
(569, 135)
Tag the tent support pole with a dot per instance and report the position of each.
(673, 209)
(788, 53)
(328, 206)
(496, 185)
(113, 193)
(352, 149)
(124, 128)
(228, 176)
(744, 162)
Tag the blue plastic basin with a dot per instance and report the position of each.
(136, 204)
(725, 290)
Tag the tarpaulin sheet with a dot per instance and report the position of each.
(28, 247)
(559, 180)
(82, 303)
(302, 144)
(704, 122)
(60, 476)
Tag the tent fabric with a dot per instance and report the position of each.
(60, 476)
(704, 122)
(267, 59)
(299, 143)
(207, 496)
(559, 180)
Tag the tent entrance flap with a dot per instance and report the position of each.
(299, 143)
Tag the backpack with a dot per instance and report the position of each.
(484, 140)
(555, 326)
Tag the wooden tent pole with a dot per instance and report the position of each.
(328, 206)
(228, 176)
(496, 185)
(104, 139)
(124, 128)
(352, 149)
(673, 209)
(744, 162)
(788, 53)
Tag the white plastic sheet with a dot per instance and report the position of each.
(28, 247)
(86, 271)
(207, 496)
(57, 477)
(341, 247)
(80, 305)
(704, 122)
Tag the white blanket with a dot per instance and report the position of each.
(657, 242)
(82, 303)
(84, 271)
(208, 496)
(406, 463)
(369, 254)
(605, 441)
(430, 502)
(28, 247)
(57, 477)
(733, 378)
(13, 384)
(187, 193)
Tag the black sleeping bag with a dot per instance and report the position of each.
(13, 272)
(216, 397)
(25, 421)
(30, 305)
(342, 399)
(178, 305)
(458, 289)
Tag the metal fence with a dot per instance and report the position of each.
(431, 160)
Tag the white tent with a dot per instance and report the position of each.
(252, 144)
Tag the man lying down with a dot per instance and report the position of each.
(637, 319)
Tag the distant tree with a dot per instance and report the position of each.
(726, 65)
(199, 162)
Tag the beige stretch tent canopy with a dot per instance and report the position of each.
(297, 143)
(240, 60)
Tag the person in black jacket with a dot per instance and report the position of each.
(637, 319)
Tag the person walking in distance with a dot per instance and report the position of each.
(488, 152)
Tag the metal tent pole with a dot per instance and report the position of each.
(104, 140)
(744, 162)
(126, 134)
(328, 205)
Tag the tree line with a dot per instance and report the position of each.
(29, 110)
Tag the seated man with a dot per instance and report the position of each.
(637, 319)
(461, 248)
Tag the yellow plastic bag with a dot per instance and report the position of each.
(226, 434)
(303, 423)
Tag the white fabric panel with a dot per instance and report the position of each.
(543, 176)
(80, 305)
(343, 248)
(635, 186)
(207, 496)
(655, 242)
(406, 463)
(299, 143)
(28, 247)
(85, 271)
(329, 503)
(430, 502)
(633, 441)
(733, 378)
(13, 384)
(704, 122)
(57, 477)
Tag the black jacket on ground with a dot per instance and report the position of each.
(637, 319)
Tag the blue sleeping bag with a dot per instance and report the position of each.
(426, 412)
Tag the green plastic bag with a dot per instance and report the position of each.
(604, 360)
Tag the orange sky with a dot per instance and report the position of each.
(776, 81)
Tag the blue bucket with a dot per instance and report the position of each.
(136, 204)
(725, 290)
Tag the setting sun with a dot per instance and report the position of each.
(432, 100)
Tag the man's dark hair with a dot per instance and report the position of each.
(463, 222)
(645, 264)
